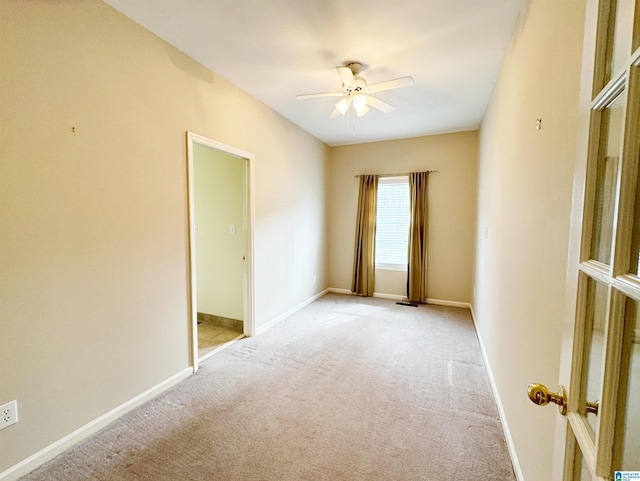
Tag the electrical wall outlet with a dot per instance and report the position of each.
(8, 414)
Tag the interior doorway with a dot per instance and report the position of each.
(220, 245)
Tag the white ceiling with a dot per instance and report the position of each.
(276, 49)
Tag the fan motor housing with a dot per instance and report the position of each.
(360, 85)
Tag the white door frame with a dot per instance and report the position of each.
(249, 314)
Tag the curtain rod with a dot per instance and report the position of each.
(398, 175)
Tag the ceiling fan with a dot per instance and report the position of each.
(357, 93)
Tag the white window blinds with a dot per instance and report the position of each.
(392, 223)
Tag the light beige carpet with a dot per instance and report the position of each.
(348, 388)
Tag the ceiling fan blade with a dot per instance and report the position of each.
(324, 94)
(379, 104)
(391, 84)
(347, 76)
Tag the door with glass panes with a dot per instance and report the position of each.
(602, 356)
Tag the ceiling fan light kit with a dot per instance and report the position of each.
(357, 93)
(360, 103)
(343, 105)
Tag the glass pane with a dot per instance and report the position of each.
(628, 436)
(622, 34)
(580, 469)
(606, 180)
(594, 350)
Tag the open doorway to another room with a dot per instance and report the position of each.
(220, 245)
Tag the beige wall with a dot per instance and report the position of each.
(524, 203)
(452, 209)
(93, 223)
(219, 181)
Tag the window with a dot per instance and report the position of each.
(392, 223)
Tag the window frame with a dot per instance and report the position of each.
(387, 180)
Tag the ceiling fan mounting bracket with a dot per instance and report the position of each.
(355, 67)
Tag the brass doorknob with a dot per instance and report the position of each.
(540, 395)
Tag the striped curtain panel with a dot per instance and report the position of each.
(418, 230)
(364, 253)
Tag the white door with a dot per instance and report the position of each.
(600, 434)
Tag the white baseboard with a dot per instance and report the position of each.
(441, 302)
(393, 297)
(337, 290)
(291, 311)
(35, 460)
(396, 297)
(503, 418)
